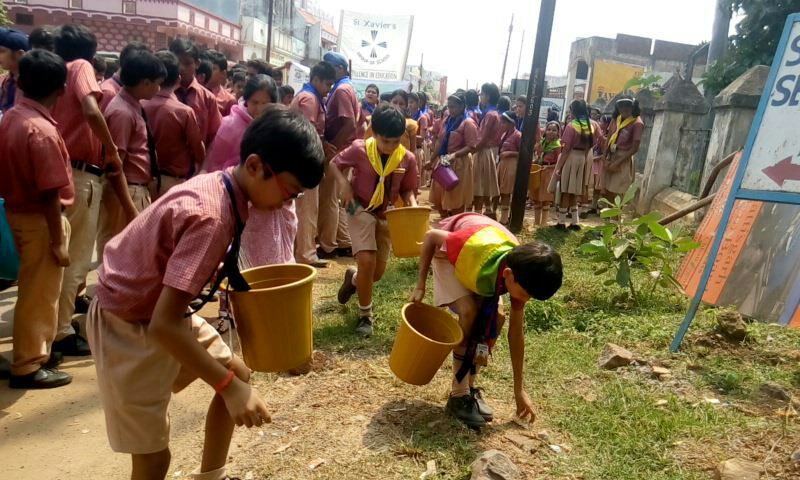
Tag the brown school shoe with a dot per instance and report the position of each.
(347, 289)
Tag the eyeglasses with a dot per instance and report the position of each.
(284, 192)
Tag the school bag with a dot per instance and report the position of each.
(9, 259)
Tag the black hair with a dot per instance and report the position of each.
(509, 116)
(260, 66)
(323, 71)
(504, 104)
(373, 86)
(74, 42)
(239, 77)
(423, 99)
(99, 64)
(413, 96)
(287, 142)
(522, 99)
(636, 110)
(141, 66)
(261, 82)
(41, 73)
(42, 39)
(471, 98)
(171, 66)
(285, 90)
(388, 121)
(385, 97)
(580, 111)
(184, 46)
(217, 58)
(399, 93)
(205, 69)
(537, 268)
(129, 49)
(491, 90)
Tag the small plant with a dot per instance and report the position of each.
(626, 245)
(646, 82)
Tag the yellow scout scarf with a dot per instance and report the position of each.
(375, 160)
(620, 125)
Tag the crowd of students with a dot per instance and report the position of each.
(180, 162)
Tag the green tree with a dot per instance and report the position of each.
(755, 41)
(3, 14)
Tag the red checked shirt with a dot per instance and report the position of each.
(178, 242)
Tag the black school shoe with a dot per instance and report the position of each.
(325, 255)
(347, 289)
(72, 346)
(364, 326)
(82, 304)
(54, 360)
(40, 379)
(344, 252)
(465, 409)
(483, 408)
(560, 226)
(574, 227)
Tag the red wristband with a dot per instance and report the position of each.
(225, 382)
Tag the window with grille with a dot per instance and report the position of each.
(129, 7)
(75, 3)
(24, 19)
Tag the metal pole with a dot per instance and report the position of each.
(505, 59)
(719, 35)
(519, 61)
(547, 10)
(269, 29)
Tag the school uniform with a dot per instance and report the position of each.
(225, 100)
(545, 165)
(87, 163)
(573, 172)
(618, 182)
(342, 105)
(369, 230)
(9, 92)
(110, 88)
(33, 160)
(129, 131)
(268, 238)
(507, 168)
(179, 242)
(204, 104)
(485, 160)
(466, 134)
(176, 134)
(305, 250)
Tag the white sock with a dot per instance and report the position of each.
(218, 474)
(576, 219)
(365, 311)
(353, 280)
(504, 213)
(562, 215)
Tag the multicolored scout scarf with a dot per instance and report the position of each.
(620, 125)
(547, 147)
(478, 254)
(307, 87)
(383, 171)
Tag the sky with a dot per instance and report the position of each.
(466, 39)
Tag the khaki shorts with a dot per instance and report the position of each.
(136, 378)
(370, 233)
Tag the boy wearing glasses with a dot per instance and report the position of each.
(145, 345)
(383, 171)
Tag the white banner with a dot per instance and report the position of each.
(376, 45)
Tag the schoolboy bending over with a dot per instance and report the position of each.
(145, 344)
(475, 261)
(383, 171)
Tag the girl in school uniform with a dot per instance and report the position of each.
(459, 138)
(570, 173)
(625, 135)
(509, 156)
(547, 153)
(368, 105)
(417, 115)
(485, 185)
(593, 168)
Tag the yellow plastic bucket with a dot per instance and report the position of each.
(425, 338)
(407, 227)
(273, 319)
(535, 180)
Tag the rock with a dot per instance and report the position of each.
(430, 470)
(494, 465)
(795, 456)
(732, 326)
(556, 448)
(544, 436)
(736, 469)
(526, 444)
(661, 403)
(776, 391)
(613, 356)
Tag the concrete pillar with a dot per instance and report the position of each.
(735, 107)
(677, 115)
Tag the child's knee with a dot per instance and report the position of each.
(366, 259)
(240, 369)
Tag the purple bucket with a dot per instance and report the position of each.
(446, 177)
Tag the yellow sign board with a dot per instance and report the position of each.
(609, 78)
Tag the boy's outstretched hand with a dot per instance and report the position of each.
(525, 407)
(417, 295)
(244, 405)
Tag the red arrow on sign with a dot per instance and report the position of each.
(782, 171)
